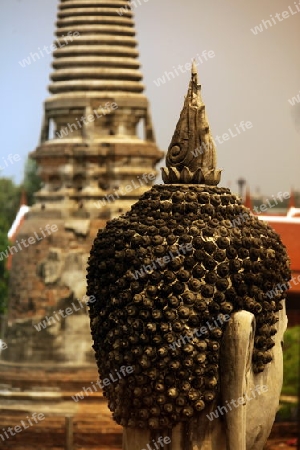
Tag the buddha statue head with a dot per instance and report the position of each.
(185, 297)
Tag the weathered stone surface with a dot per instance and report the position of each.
(184, 287)
(145, 304)
(44, 388)
(93, 167)
(191, 157)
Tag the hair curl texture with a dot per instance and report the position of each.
(224, 260)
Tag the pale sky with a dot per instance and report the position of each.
(250, 78)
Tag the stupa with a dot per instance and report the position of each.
(96, 156)
(93, 165)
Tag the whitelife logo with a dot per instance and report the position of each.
(30, 241)
(279, 17)
(183, 249)
(131, 4)
(107, 109)
(260, 209)
(122, 191)
(280, 288)
(125, 370)
(18, 428)
(294, 100)
(162, 441)
(242, 127)
(64, 313)
(3, 346)
(183, 68)
(11, 159)
(33, 56)
(236, 403)
(201, 331)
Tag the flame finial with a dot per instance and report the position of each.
(191, 157)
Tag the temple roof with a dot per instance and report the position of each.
(288, 229)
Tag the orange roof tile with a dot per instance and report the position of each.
(288, 229)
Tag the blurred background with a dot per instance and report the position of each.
(249, 67)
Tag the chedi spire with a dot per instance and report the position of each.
(191, 157)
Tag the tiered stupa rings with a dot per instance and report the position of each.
(103, 56)
(97, 124)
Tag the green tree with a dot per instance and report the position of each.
(9, 202)
(291, 361)
(4, 274)
(9, 206)
(32, 181)
(10, 195)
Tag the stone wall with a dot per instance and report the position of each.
(47, 318)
